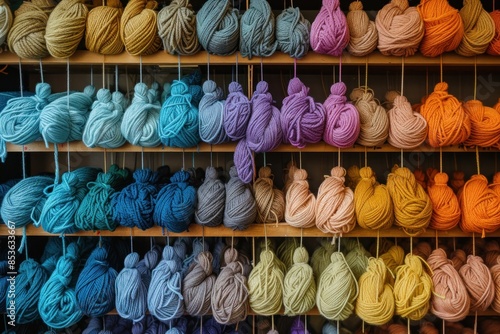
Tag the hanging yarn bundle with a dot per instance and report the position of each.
(285, 252)
(420, 177)
(178, 125)
(257, 25)
(337, 289)
(133, 206)
(357, 260)
(217, 26)
(211, 200)
(198, 284)
(445, 207)
(58, 306)
(139, 125)
(299, 286)
(443, 25)
(479, 29)
(408, 128)
(329, 30)
(363, 33)
(138, 29)
(230, 293)
(374, 122)
(240, 209)
(302, 119)
(27, 35)
(270, 200)
(211, 126)
(103, 127)
(485, 124)
(65, 28)
(288, 173)
(177, 28)
(237, 111)
(400, 29)
(494, 47)
(372, 202)
(131, 292)
(393, 258)
(102, 33)
(342, 119)
(244, 161)
(300, 203)
(292, 32)
(479, 283)
(335, 204)
(175, 203)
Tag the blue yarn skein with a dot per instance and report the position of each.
(329, 328)
(178, 125)
(53, 248)
(175, 204)
(140, 120)
(165, 300)
(94, 326)
(4, 188)
(148, 263)
(237, 112)
(217, 255)
(240, 209)
(292, 32)
(167, 87)
(103, 127)
(57, 305)
(24, 201)
(133, 206)
(211, 125)
(131, 293)
(4, 285)
(211, 200)
(217, 26)
(155, 327)
(60, 124)
(257, 30)
(193, 80)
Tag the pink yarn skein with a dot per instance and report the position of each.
(329, 31)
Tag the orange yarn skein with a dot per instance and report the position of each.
(494, 47)
(431, 174)
(420, 176)
(478, 281)
(445, 207)
(485, 124)
(479, 29)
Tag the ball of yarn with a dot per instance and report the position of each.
(408, 128)
(400, 29)
(264, 131)
(177, 28)
(357, 260)
(217, 26)
(270, 201)
(131, 292)
(479, 283)
(211, 200)
(479, 29)
(211, 123)
(372, 202)
(58, 305)
(299, 286)
(335, 204)
(300, 202)
(138, 29)
(139, 125)
(102, 33)
(230, 293)
(352, 177)
(240, 208)
(337, 289)
(342, 119)
(292, 32)
(103, 127)
(198, 285)
(445, 207)
(494, 47)
(374, 122)
(363, 33)
(179, 118)
(288, 173)
(257, 25)
(65, 28)
(134, 206)
(23, 203)
(285, 252)
(375, 303)
(329, 328)
(485, 124)
(412, 206)
(302, 119)
(443, 25)
(329, 30)
(237, 111)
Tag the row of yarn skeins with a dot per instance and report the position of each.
(37, 31)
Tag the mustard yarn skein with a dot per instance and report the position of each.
(103, 29)
(393, 258)
(6, 20)
(479, 29)
(138, 28)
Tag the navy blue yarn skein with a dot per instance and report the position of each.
(148, 263)
(211, 200)
(131, 292)
(237, 112)
(175, 203)
(211, 124)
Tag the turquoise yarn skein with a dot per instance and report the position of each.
(257, 25)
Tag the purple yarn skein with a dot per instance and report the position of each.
(243, 161)
(237, 112)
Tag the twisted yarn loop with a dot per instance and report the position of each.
(102, 33)
(198, 285)
(240, 209)
(494, 47)
(257, 25)
(299, 286)
(400, 29)
(335, 204)
(211, 200)
(211, 111)
(131, 292)
(329, 30)
(479, 29)
(237, 111)
(408, 128)
(302, 119)
(374, 122)
(300, 203)
(138, 29)
(270, 201)
(485, 124)
(445, 207)
(292, 32)
(479, 283)
(363, 35)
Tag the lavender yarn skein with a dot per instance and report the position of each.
(237, 112)
(243, 161)
(211, 114)
(241, 209)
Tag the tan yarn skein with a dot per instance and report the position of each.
(6, 20)
(270, 201)
(479, 282)
(103, 29)
(138, 28)
(374, 123)
(479, 29)
(321, 258)
(299, 286)
(197, 285)
(363, 34)
(300, 202)
(407, 128)
(177, 28)
(495, 275)
(65, 28)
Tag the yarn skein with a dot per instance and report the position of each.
(292, 32)
(217, 26)
(211, 200)
(400, 29)
(102, 33)
(329, 30)
(300, 203)
(479, 29)
(479, 283)
(494, 47)
(6, 19)
(357, 260)
(211, 109)
(285, 252)
(302, 119)
(198, 284)
(244, 161)
(445, 207)
(257, 26)
(485, 124)
(240, 208)
(335, 204)
(148, 263)
(177, 28)
(237, 111)
(363, 35)
(270, 201)
(65, 28)
(407, 128)
(353, 177)
(131, 292)
(138, 29)
(495, 275)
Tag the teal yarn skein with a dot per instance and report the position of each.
(240, 210)
(257, 30)
(292, 32)
(140, 120)
(211, 200)
(211, 114)
(103, 128)
(62, 121)
(217, 26)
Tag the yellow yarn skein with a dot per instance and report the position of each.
(6, 20)
(138, 28)
(393, 258)
(103, 29)
(299, 286)
(321, 258)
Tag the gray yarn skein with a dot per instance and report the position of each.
(257, 30)
(198, 285)
(241, 208)
(292, 32)
(211, 200)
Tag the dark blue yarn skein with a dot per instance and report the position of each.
(210, 327)
(131, 292)
(133, 206)
(155, 326)
(211, 200)
(148, 263)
